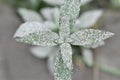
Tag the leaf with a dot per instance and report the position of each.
(87, 19)
(54, 2)
(69, 9)
(88, 56)
(68, 13)
(89, 37)
(84, 2)
(60, 2)
(28, 28)
(41, 52)
(36, 34)
(56, 16)
(101, 43)
(61, 71)
(66, 52)
(29, 15)
(50, 25)
(50, 64)
(49, 13)
(95, 45)
(51, 59)
(52, 17)
(43, 38)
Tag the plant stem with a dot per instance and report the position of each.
(110, 70)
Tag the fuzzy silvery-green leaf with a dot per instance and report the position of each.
(41, 52)
(87, 19)
(43, 38)
(47, 13)
(68, 13)
(88, 56)
(50, 63)
(60, 2)
(56, 16)
(50, 25)
(61, 71)
(98, 44)
(95, 45)
(51, 59)
(29, 15)
(89, 37)
(54, 2)
(69, 9)
(52, 17)
(36, 34)
(66, 52)
(83, 2)
(50, 13)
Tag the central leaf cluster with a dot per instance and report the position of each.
(66, 40)
(36, 33)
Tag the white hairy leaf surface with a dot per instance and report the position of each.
(54, 2)
(66, 52)
(51, 59)
(56, 16)
(101, 43)
(68, 12)
(52, 17)
(64, 29)
(88, 56)
(44, 38)
(50, 63)
(69, 9)
(50, 25)
(83, 2)
(29, 15)
(29, 27)
(63, 61)
(41, 52)
(87, 19)
(36, 34)
(61, 71)
(95, 45)
(60, 2)
(50, 13)
(89, 37)
(47, 13)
